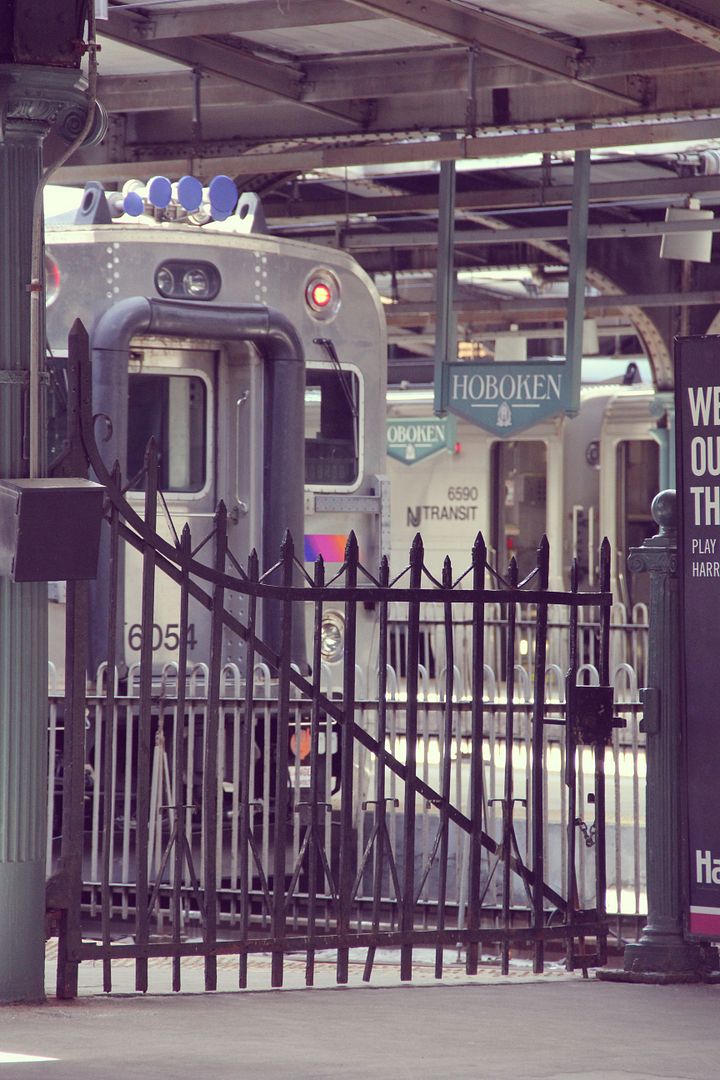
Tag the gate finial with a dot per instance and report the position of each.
(351, 549)
(479, 551)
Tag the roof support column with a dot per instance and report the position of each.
(31, 97)
(578, 229)
(445, 332)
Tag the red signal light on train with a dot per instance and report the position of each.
(322, 294)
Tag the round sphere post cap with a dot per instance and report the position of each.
(664, 509)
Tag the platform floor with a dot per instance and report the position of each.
(555, 1027)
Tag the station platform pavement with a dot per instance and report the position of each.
(555, 1026)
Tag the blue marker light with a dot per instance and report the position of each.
(133, 204)
(159, 191)
(190, 192)
(223, 196)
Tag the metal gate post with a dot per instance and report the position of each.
(662, 954)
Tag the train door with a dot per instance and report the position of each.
(519, 501)
(174, 395)
(637, 471)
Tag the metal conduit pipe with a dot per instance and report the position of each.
(280, 346)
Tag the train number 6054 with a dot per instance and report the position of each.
(166, 637)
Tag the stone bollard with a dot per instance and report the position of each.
(663, 955)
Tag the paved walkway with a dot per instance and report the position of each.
(554, 1027)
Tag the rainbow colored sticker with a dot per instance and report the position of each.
(330, 546)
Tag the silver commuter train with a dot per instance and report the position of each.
(574, 479)
(194, 335)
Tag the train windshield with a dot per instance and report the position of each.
(331, 427)
(519, 475)
(172, 409)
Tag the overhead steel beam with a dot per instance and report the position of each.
(642, 53)
(510, 198)
(552, 307)
(444, 68)
(488, 237)
(421, 150)
(285, 81)
(248, 18)
(478, 30)
(702, 31)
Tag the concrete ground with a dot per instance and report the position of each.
(554, 1027)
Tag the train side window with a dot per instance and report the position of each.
(57, 402)
(173, 409)
(638, 482)
(331, 427)
(519, 486)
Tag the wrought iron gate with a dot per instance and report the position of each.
(243, 801)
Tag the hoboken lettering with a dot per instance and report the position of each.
(399, 434)
(513, 388)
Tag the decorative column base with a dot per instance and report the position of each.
(666, 962)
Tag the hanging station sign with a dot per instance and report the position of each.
(411, 439)
(697, 410)
(505, 398)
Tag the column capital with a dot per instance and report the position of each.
(35, 99)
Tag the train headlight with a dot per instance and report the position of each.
(332, 636)
(164, 281)
(196, 283)
(52, 279)
(322, 294)
(181, 280)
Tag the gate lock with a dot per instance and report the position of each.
(590, 713)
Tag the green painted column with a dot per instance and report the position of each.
(32, 99)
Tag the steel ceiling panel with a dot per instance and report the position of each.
(344, 39)
(580, 18)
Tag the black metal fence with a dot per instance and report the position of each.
(244, 808)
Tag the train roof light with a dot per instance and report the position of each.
(190, 192)
(223, 196)
(133, 204)
(217, 201)
(159, 192)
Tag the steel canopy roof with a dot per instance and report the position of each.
(337, 113)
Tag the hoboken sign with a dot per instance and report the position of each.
(507, 398)
(412, 439)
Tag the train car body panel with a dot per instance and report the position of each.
(576, 479)
(186, 309)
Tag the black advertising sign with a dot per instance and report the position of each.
(697, 405)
